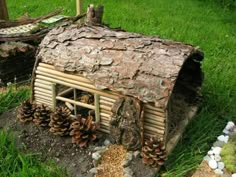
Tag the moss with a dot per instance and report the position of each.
(228, 154)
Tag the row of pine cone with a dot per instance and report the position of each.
(82, 130)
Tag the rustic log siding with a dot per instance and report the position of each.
(154, 118)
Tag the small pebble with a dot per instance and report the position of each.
(229, 125)
(99, 148)
(216, 150)
(221, 138)
(96, 155)
(213, 164)
(218, 171)
(107, 142)
(93, 170)
(221, 165)
(218, 144)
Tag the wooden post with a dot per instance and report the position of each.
(97, 107)
(78, 7)
(54, 101)
(3, 10)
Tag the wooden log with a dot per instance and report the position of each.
(105, 124)
(151, 121)
(105, 115)
(66, 92)
(49, 95)
(105, 119)
(154, 130)
(110, 100)
(154, 126)
(65, 78)
(108, 108)
(38, 101)
(148, 134)
(43, 97)
(104, 130)
(51, 69)
(3, 10)
(103, 102)
(58, 81)
(42, 82)
(148, 106)
(97, 108)
(43, 90)
(46, 87)
(154, 112)
(75, 102)
(105, 111)
(154, 117)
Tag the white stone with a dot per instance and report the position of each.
(136, 154)
(210, 152)
(99, 148)
(96, 156)
(212, 157)
(221, 165)
(229, 125)
(216, 150)
(107, 142)
(207, 158)
(218, 171)
(225, 131)
(217, 158)
(93, 170)
(221, 138)
(234, 175)
(226, 139)
(213, 164)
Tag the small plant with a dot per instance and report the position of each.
(42, 115)
(228, 154)
(60, 121)
(83, 131)
(26, 111)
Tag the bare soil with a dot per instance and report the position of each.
(77, 161)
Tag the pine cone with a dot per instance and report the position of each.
(26, 111)
(60, 121)
(153, 152)
(42, 115)
(83, 131)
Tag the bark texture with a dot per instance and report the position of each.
(145, 67)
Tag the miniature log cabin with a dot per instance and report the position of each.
(136, 86)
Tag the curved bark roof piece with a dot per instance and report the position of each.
(142, 66)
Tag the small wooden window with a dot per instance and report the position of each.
(78, 101)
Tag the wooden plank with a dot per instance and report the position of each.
(104, 102)
(105, 111)
(77, 86)
(105, 115)
(49, 95)
(42, 82)
(148, 106)
(40, 85)
(153, 129)
(154, 117)
(75, 102)
(107, 108)
(151, 121)
(111, 100)
(43, 97)
(150, 111)
(154, 126)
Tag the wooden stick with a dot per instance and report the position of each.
(104, 130)
(154, 112)
(54, 93)
(105, 124)
(79, 7)
(97, 109)
(43, 90)
(105, 111)
(154, 130)
(153, 108)
(154, 117)
(48, 102)
(75, 98)
(106, 119)
(151, 121)
(107, 99)
(104, 93)
(3, 10)
(42, 82)
(106, 103)
(108, 108)
(154, 126)
(76, 102)
(43, 93)
(46, 87)
(105, 115)
(43, 97)
(65, 78)
(51, 69)
(66, 92)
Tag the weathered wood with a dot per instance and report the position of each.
(3, 10)
(155, 62)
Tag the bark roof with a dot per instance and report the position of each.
(142, 66)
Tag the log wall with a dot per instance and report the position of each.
(46, 75)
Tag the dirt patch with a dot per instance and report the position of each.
(77, 161)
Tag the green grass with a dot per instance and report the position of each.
(15, 164)
(202, 23)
